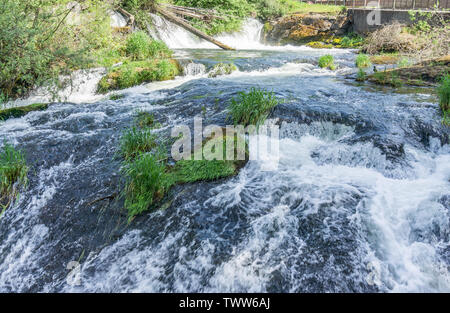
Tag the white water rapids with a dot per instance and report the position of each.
(340, 214)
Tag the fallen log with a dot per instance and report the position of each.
(129, 16)
(180, 22)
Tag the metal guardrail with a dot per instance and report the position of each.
(427, 5)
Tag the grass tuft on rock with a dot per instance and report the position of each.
(363, 61)
(136, 141)
(253, 107)
(146, 183)
(327, 61)
(13, 173)
(149, 176)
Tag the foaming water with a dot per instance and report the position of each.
(81, 88)
(359, 201)
(336, 218)
(248, 38)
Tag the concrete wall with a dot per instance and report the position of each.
(359, 18)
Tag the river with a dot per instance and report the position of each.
(359, 203)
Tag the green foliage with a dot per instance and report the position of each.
(140, 47)
(327, 61)
(361, 75)
(135, 73)
(352, 40)
(222, 69)
(115, 97)
(189, 171)
(21, 111)
(252, 108)
(148, 176)
(403, 62)
(136, 141)
(34, 45)
(146, 182)
(363, 61)
(145, 119)
(387, 78)
(13, 173)
(443, 91)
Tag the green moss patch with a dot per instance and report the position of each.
(222, 69)
(21, 111)
(135, 73)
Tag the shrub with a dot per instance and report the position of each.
(140, 46)
(252, 108)
(136, 141)
(327, 61)
(444, 93)
(33, 49)
(390, 38)
(13, 173)
(363, 61)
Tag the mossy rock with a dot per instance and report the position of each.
(384, 59)
(222, 69)
(426, 73)
(138, 72)
(21, 111)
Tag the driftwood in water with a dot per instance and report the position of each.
(182, 23)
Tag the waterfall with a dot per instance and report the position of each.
(177, 37)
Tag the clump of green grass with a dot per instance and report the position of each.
(361, 75)
(146, 183)
(145, 119)
(387, 78)
(136, 141)
(13, 173)
(327, 61)
(253, 107)
(443, 91)
(140, 46)
(363, 61)
(149, 177)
